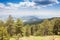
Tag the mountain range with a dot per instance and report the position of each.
(26, 19)
(31, 19)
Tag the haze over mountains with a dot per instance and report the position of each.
(26, 19)
(22, 17)
(4, 17)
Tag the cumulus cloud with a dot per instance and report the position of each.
(17, 6)
(27, 4)
(45, 3)
(2, 5)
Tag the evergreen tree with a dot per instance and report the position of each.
(19, 26)
(28, 30)
(56, 28)
(10, 25)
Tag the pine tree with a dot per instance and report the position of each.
(10, 25)
(19, 26)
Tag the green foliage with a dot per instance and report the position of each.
(4, 34)
(17, 28)
(10, 25)
(28, 30)
(56, 28)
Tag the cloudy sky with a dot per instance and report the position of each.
(42, 8)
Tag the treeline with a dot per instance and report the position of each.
(10, 28)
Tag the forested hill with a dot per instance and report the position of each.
(37, 20)
(11, 27)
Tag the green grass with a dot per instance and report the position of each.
(39, 38)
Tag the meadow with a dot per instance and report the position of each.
(38, 38)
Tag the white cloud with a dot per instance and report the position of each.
(44, 13)
(12, 9)
(17, 6)
(40, 13)
(2, 5)
(55, 1)
(45, 3)
(28, 4)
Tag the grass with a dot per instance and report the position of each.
(38, 38)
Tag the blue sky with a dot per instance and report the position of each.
(42, 8)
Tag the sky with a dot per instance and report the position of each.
(42, 8)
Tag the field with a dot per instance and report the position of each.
(38, 38)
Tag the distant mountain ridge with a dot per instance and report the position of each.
(31, 19)
(27, 19)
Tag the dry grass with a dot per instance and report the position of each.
(38, 38)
